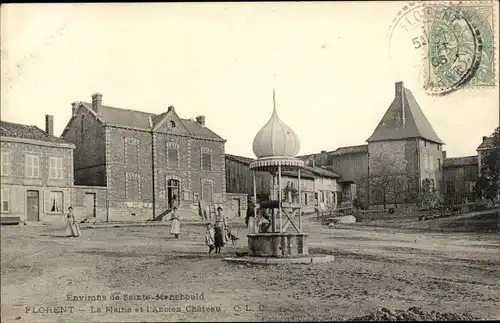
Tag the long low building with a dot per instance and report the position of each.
(318, 185)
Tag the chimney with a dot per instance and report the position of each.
(171, 108)
(49, 124)
(96, 102)
(484, 138)
(399, 89)
(74, 106)
(201, 120)
(399, 95)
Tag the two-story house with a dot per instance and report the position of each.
(145, 160)
(36, 174)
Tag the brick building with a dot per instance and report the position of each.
(36, 174)
(144, 159)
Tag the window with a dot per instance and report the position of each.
(206, 161)
(131, 151)
(32, 166)
(172, 154)
(5, 163)
(56, 202)
(132, 187)
(187, 196)
(5, 200)
(439, 147)
(55, 169)
(425, 143)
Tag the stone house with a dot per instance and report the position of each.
(403, 150)
(145, 159)
(36, 173)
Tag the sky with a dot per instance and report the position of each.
(333, 67)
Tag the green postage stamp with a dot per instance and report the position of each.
(461, 49)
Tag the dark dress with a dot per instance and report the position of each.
(219, 230)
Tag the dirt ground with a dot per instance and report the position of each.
(375, 267)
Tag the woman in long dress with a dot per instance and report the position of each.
(220, 226)
(72, 228)
(210, 237)
(250, 218)
(175, 228)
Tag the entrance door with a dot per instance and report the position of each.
(207, 192)
(237, 206)
(172, 190)
(32, 206)
(90, 205)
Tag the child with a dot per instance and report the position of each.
(210, 237)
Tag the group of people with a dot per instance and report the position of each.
(216, 234)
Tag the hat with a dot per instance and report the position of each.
(219, 208)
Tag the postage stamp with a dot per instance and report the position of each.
(460, 47)
(451, 44)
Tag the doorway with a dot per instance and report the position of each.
(237, 206)
(207, 192)
(172, 190)
(90, 205)
(32, 206)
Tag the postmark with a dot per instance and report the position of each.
(459, 47)
(450, 45)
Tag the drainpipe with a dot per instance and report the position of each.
(153, 169)
(418, 165)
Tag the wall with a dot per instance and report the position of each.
(79, 206)
(233, 200)
(394, 162)
(239, 178)
(121, 171)
(458, 183)
(431, 162)
(18, 184)
(89, 154)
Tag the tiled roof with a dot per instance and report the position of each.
(321, 172)
(244, 160)
(9, 129)
(416, 125)
(487, 143)
(460, 161)
(139, 119)
(350, 150)
(307, 171)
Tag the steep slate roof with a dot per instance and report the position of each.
(139, 119)
(460, 161)
(9, 129)
(416, 124)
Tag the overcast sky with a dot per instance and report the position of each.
(332, 64)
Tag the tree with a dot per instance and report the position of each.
(427, 198)
(487, 185)
(388, 183)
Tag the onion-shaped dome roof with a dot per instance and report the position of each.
(276, 139)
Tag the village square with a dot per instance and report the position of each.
(150, 214)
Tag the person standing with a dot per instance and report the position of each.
(220, 226)
(175, 228)
(174, 202)
(72, 228)
(250, 217)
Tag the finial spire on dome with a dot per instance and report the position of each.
(274, 101)
(276, 138)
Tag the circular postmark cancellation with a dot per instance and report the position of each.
(455, 43)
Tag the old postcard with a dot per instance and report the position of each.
(273, 161)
